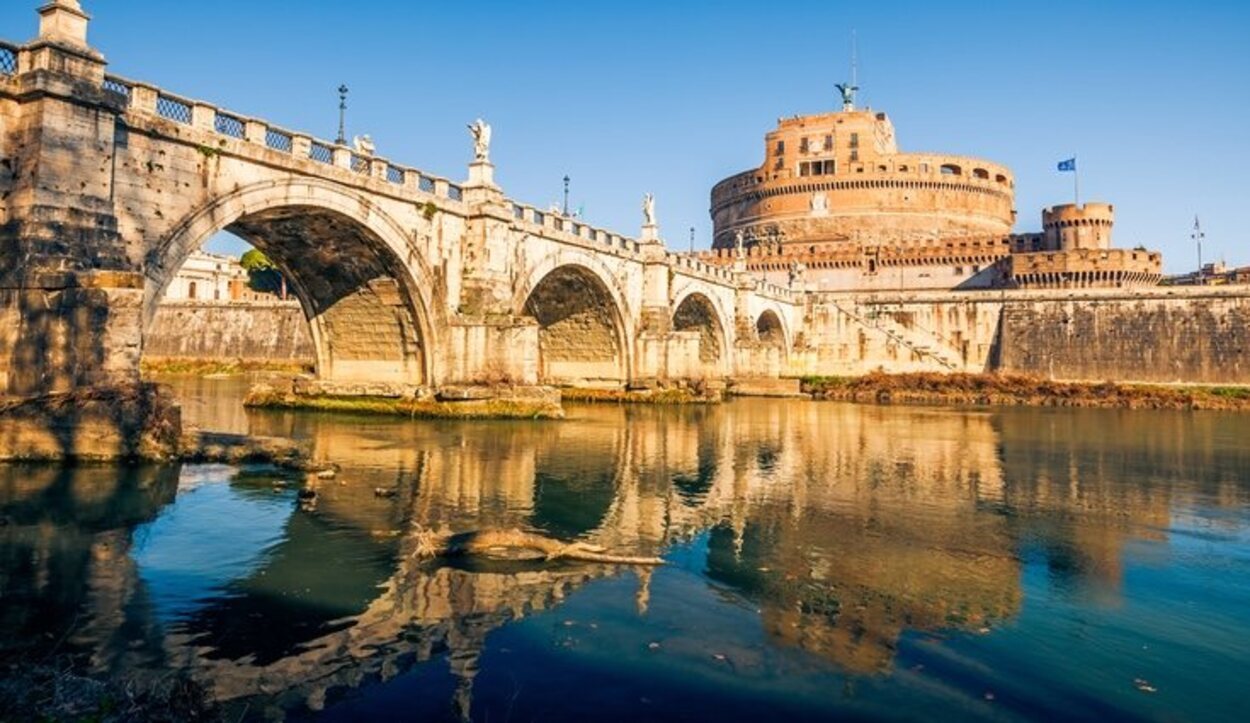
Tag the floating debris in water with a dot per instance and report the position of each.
(383, 492)
(653, 646)
(1144, 685)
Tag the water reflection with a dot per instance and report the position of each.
(860, 535)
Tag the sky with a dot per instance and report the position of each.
(628, 98)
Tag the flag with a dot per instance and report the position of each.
(1068, 165)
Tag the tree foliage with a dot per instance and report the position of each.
(255, 260)
(262, 274)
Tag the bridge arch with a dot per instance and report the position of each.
(585, 331)
(697, 311)
(363, 286)
(770, 330)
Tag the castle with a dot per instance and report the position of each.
(837, 206)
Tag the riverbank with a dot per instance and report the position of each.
(458, 403)
(670, 396)
(1017, 390)
(220, 367)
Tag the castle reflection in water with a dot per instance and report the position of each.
(845, 526)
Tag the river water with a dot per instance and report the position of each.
(825, 561)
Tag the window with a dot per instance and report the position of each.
(829, 142)
(817, 168)
(951, 169)
(855, 157)
(803, 146)
(781, 147)
(854, 140)
(191, 290)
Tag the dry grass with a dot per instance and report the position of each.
(1019, 390)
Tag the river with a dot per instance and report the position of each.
(825, 561)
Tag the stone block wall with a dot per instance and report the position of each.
(1159, 335)
(274, 331)
(1203, 340)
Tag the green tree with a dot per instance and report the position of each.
(263, 274)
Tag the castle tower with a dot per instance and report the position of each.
(1068, 227)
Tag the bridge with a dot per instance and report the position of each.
(406, 278)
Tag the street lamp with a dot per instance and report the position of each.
(342, 139)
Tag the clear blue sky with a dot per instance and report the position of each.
(667, 97)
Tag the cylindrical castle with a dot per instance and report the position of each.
(839, 177)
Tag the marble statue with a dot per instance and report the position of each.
(648, 210)
(364, 145)
(481, 132)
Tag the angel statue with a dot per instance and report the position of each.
(848, 95)
(740, 243)
(480, 130)
(648, 210)
(364, 145)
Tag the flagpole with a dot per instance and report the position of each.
(1076, 182)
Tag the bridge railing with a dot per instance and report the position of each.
(146, 99)
(557, 225)
(8, 59)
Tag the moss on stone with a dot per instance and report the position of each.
(267, 398)
(219, 367)
(645, 396)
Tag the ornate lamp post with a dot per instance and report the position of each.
(342, 139)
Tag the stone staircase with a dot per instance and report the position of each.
(926, 345)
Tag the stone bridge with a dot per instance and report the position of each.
(406, 278)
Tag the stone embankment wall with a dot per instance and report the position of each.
(1203, 340)
(275, 331)
(1163, 335)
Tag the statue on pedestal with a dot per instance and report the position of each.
(648, 210)
(481, 132)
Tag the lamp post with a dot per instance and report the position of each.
(342, 139)
(1197, 236)
(566, 196)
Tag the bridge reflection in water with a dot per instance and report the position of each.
(831, 541)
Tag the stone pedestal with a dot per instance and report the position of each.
(481, 175)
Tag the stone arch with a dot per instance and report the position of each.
(696, 311)
(584, 335)
(770, 330)
(362, 284)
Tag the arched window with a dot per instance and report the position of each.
(950, 169)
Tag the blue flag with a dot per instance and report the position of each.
(1068, 165)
